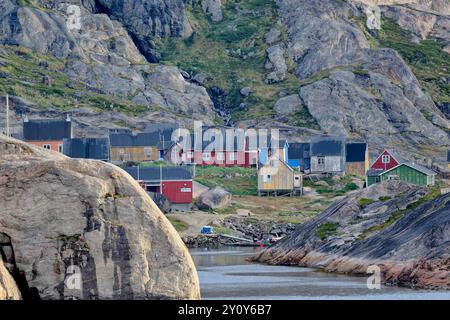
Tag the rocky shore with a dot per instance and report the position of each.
(402, 229)
(254, 230)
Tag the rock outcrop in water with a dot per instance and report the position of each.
(392, 225)
(73, 219)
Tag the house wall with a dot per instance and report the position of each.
(134, 154)
(333, 164)
(282, 178)
(54, 144)
(408, 174)
(379, 165)
(357, 168)
(240, 159)
(178, 192)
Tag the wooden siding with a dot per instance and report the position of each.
(281, 177)
(357, 168)
(134, 154)
(405, 173)
(332, 164)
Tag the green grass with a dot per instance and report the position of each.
(364, 202)
(427, 59)
(327, 230)
(238, 181)
(212, 50)
(384, 198)
(23, 75)
(179, 225)
(223, 230)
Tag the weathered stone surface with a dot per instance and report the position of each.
(214, 8)
(216, 198)
(8, 287)
(272, 36)
(288, 105)
(412, 251)
(275, 55)
(65, 215)
(322, 38)
(246, 91)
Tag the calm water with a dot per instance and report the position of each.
(225, 274)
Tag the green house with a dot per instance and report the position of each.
(409, 172)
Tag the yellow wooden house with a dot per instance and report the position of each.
(275, 177)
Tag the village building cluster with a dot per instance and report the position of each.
(281, 164)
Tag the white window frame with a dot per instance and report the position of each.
(220, 156)
(47, 146)
(393, 177)
(60, 148)
(267, 178)
(386, 158)
(321, 161)
(148, 151)
(206, 156)
(232, 156)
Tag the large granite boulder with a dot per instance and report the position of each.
(216, 198)
(86, 230)
(8, 287)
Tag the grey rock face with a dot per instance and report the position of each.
(288, 105)
(216, 198)
(275, 55)
(272, 36)
(64, 215)
(413, 250)
(386, 105)
(214, 8)
(146, 19)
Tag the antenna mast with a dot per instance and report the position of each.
(7, 116)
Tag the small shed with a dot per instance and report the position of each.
(409, 172)
(328, 155)
(275, 177)
(357, 158)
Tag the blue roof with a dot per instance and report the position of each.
(87, 148)
(327, 146)
(356, 152)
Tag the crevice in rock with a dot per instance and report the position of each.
(8, 257)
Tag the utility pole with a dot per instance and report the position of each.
(8, 134)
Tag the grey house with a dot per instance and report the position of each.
(328, 155)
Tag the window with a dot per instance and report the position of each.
(321, 161)
(267, 178)
(190, 154)
(47, 146)
(386, 159)
(206, 156)
(121, 151)
(232, 156)
(219, 156)
(393, 177)
(148, 151)
(60, 148)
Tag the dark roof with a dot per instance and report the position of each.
(374, 173)
(356, 152)
(298, 150)
(120, 130)
(153, 173)
(140, 140)
(88, 148)
(327, 146)
(47, 130)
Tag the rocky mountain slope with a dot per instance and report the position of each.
(405, 230)
(8, 287)
(85, 230)
(308, 66)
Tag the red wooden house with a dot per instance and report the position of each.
(388, 159)
(175, 183)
